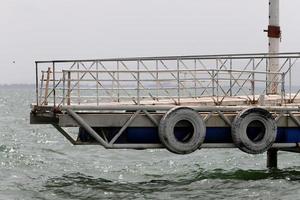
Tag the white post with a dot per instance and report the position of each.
(274, 34)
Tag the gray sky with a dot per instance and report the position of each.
(74, 29)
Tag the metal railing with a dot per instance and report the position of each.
(171, 80)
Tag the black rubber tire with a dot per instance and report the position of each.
(266, 137)
(168, 123)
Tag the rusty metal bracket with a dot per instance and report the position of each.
(273, 31)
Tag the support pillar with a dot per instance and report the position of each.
(272, 159)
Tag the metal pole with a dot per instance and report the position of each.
(47, 86)
(69, 89)
(253, 80)
(37, 83)
(138, 82)
(282, 88)
(54, 93)
(41, 88)
(157, 80)
(217, 79)
(118, 81)
(97, 85)
(290, 80)
(213, 82)
(78, 85)
(64, 86)
(195, 79)
(178, 84)
(230, 73)
(274, 34)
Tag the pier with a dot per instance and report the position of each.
(181, 103)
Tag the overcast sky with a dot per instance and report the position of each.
(75, 29)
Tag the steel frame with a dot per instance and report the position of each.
(138, 86)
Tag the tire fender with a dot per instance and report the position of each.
(264, 136)
(168, 123)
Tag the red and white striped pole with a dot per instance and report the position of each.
(274, 35)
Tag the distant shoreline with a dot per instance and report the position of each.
(17, 86)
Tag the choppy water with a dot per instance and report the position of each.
(36, 162)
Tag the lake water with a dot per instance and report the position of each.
(36, 162)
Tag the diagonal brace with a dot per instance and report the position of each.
(130, 120)
(87, 127)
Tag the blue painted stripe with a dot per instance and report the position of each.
(213, 135)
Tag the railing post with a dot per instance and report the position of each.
(253, 80)
(64, 86)
(47, 86)
(69, 89)
(78, 86)
(113, 86)
(157, 81)
(41, 87)
(213, 82)
(138, 83)
(282, 87)
(178, 83)
(267, 80)
(54, 82)
(290, 80)
(97, 85)
(230, 76)
(195, 78)
(217, 78)
(118, 81)
(37, 83)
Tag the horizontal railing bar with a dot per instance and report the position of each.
(219, 56)
(128, 97)
(148, 97)
(202, 80)
(144, 89)
(57, 72)
(198, 80)
(169, 71)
